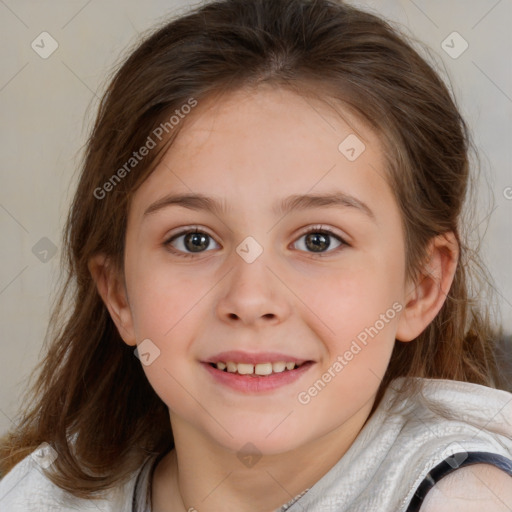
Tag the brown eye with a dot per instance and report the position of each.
(196, 242)
(318, 240)
(189, 242)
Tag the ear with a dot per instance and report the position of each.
(112, 290)
(426, 296)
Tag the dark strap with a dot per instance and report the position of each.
(451, 464)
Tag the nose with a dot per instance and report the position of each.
(253, 294)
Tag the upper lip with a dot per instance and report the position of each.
(238, 356)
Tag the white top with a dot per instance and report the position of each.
(381, 471)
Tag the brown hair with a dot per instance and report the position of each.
(90, 385)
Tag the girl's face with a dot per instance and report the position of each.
(253, 280)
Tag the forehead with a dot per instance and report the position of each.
(267, 143)
(275, 118)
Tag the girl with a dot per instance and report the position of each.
(269, 285)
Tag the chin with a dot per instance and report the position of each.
(264, 439)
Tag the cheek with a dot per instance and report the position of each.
(167, 310)
(355, 312)
(161, 297)
(352, 298)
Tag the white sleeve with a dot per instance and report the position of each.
(26, 489)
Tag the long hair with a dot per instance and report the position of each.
(92, 401)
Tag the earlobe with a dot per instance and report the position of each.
(427, 295)
(113, 293)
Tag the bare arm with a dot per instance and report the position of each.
(475, 488)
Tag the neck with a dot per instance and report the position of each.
(200, 475)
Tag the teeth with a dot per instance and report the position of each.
(278, 367)
(258, 369)
(263, 369)
(245, 369)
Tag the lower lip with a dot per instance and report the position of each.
(256, 383)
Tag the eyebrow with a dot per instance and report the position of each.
(295, 202)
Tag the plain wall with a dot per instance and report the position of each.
(48, 106)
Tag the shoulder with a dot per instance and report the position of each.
(26, 487)
(472, 489)
(433, 410)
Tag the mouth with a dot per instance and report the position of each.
(257, 370)
(248, 378)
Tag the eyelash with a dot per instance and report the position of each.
(314, 229)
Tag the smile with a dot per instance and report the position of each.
(256, 378)
(260, 369)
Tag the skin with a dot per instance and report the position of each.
(472, 489)
(252, 149)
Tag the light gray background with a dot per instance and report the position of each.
(48, 106)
